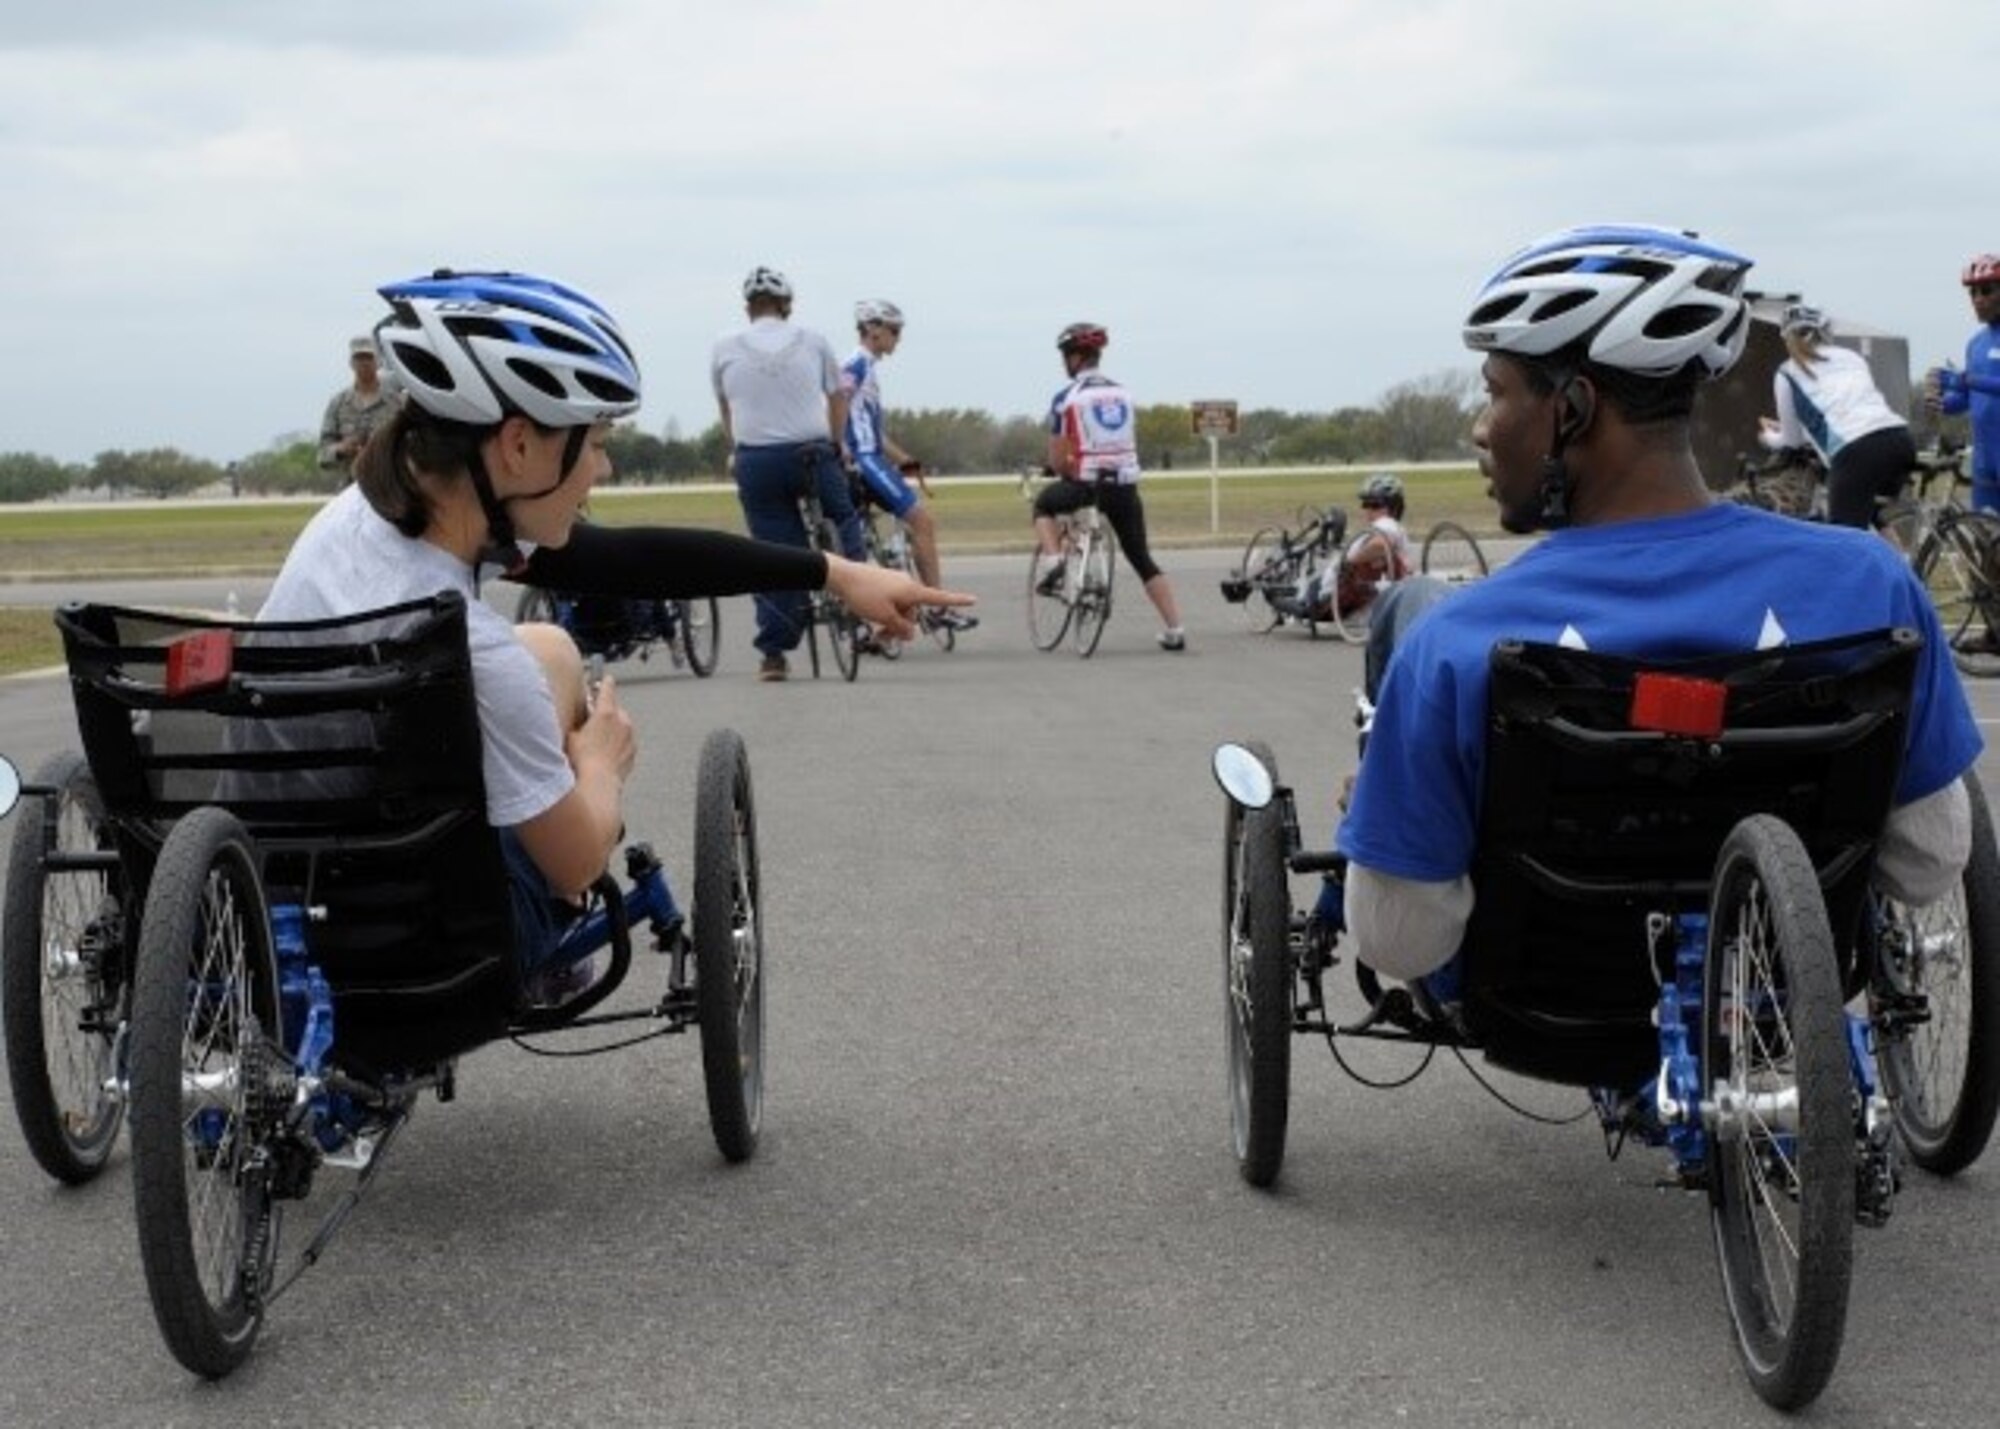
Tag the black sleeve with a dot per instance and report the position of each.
(669, 563)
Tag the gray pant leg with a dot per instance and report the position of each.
(1394, 609)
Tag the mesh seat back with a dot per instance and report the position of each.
(350, 748)
(1588, 825)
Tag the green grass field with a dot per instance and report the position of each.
(163, 539)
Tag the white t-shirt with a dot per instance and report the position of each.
(349, 560)
(776, 378)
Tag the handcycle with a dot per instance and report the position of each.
(887, 542)
(1316, 576)
(1673, 913)
(616, 628)
(1280, 562)
(1079, 604)
(263, 913)
(846, 633)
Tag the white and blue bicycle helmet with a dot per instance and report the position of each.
(1650, 301)
(869, 311)
(479, 347)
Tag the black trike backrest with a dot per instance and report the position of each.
(350, 748)
(1610, 786)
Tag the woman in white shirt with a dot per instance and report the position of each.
(1827, 399)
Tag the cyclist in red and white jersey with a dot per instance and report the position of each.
(1094, 447)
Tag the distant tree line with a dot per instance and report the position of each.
(1420, 420)
(1425, 419)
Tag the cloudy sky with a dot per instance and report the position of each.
(1285, 203)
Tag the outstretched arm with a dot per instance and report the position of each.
(674, 563)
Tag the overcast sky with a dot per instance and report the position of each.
(1285, 203)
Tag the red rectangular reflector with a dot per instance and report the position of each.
(1674, 704)
(200, 661)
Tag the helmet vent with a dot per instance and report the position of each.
(1499, 308)
(423, 365)
(537, 377)
(1721, 278)
(1561, 303)
(563, 342)
(604, 389)
(1680, 320)
(466, 327)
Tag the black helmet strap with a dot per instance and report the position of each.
(499, 548)
(1576, 405)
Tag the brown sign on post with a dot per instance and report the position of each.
(1214, 419)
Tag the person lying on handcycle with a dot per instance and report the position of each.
(1596, 341)
(513, 383)
(1377, 557)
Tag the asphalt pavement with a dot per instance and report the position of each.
(995, 1186)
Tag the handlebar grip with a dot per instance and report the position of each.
(1317, 861)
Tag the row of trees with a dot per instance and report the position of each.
(1419, 420)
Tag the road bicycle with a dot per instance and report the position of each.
(1790, 481)
(1077, 602)
(1955, 552)
(846, 634)
(888, 543)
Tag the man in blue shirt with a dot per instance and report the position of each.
(1977, 388)
(1597, 340)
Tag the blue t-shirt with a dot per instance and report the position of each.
(1722, 579)
(1979, 389)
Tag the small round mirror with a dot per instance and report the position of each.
(1243, 776)
(10, 786)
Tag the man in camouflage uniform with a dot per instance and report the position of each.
(355, 412)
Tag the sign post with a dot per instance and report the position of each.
(1214, 420)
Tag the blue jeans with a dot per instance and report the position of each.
(769, 482)
(540, 918)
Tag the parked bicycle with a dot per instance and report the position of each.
(1074, 598)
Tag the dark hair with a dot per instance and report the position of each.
(1641, 401)
(410, 442)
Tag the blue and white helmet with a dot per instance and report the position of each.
(877, 310)
(479, 347)
(1644, 300)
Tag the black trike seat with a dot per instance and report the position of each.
(1594, 818)
(350, 750)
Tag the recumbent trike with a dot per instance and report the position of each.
(267, 913)
(1673, 912)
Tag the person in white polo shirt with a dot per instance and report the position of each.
(783, 413)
